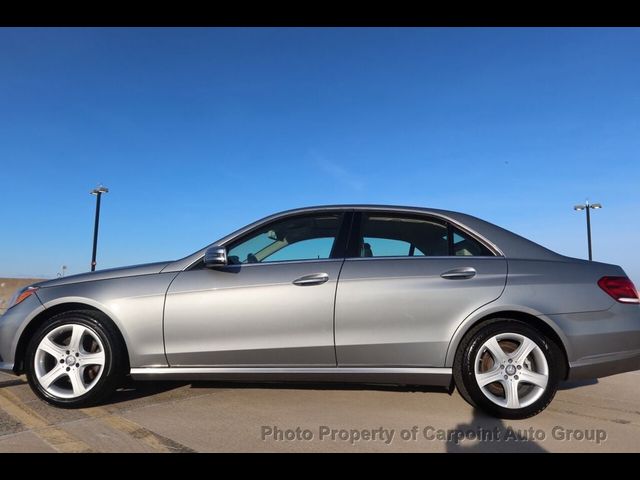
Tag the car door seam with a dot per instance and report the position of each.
(164, 306)
(335, 300)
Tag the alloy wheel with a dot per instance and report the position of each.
(69, 361)
(511, 370)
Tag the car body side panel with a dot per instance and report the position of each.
(135, 304)
(400, 312)
(551, 291)
(252, 315)
(552, 287)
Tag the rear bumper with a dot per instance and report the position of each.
(605, 365)
(601, 343)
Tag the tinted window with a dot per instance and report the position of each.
(313, 248)
(298, 238)
(463, 244)
(392, 236)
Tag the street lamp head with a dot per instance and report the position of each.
(579, 207)
(99, 189)
(595, 205)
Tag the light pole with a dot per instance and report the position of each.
(98, 191)
(588, 206)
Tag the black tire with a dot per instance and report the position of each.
(464, 372)
(114, 362)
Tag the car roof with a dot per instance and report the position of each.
(507, 243)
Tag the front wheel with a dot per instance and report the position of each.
(508, 369)
(74, 359)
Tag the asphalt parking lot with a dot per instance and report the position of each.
(602, 416)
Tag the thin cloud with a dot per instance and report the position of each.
(339, 173)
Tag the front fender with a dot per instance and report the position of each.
(81, 302)
(134, 304)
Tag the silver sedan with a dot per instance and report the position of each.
(351, 293)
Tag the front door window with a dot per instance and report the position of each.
(292, 239)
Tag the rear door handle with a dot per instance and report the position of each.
(459, 273)
(313, 279)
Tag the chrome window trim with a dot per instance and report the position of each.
(424, 257)
(224, 241)
(283, 262)
(339, 370)
(475, 235)
(266, 221)
(479, 238)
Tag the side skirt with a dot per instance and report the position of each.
(440, 377)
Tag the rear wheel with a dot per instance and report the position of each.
(74, 359)
(508, 369)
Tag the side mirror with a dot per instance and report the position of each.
(215, 257)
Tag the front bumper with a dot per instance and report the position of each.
(12, 324)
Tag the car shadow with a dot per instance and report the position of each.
(486, 434)
(571, 384)
(12, 383)
(482, 434)
(132, 390)
(317, 386)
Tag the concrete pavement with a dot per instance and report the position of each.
(602, 416)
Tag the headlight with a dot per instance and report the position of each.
(21, 295)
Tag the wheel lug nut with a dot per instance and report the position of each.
(501, 366)
(68, 352)
(62, 360)
(506, 376)
(68, 369)
(77, 365)
(77, 354)
(516, 377)
(510, 360)
(519, 367)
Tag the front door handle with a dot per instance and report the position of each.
(459, 273)
(313, 279)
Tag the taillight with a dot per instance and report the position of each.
(620, 288)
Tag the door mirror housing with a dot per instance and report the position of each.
(215, 256)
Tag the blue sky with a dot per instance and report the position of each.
(200, 131)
